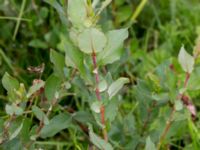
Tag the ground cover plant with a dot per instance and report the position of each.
(92, 74)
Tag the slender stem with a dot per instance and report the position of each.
(137, 12)
(186, 79)
(14, 18)
(19, 19)
(170, 120)
(98, 95)
(167, 127)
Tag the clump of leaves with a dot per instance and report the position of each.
(84, 51)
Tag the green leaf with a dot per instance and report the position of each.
(34, 88)
(59, 62)
(77, 12)
(71, 55)
(103, 85)
(97, 141)
(16, 132)
(178, 105)
(37, 43)
(52, 86)
(91, 39)
(83, 117)
(194, 82)
(96, 106)
(112, 50)
(149, 144)
(9, 83)
(56, 124)
(123, 13)
(40, 114)
(14, 109)
(111, 110)
(186, 60)
(116, 86)
(59, 9)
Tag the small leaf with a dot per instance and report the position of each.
(178, 105)
(77, 12)
(59, 62)
(186, 60)
(52, 85)
(17, 131)
(14, 109)
(91, 39)
(56, 124)
(149, 144)
(97, 141)
(9, 83)
(103, 85)
(112, 51)
(40, 115)
(116, 86)
(71, 55)
(96, 106)
(37, 43)
(34, 88)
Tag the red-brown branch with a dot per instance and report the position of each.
(170, 120)
(98, 95)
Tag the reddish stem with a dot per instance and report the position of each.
(98, 95)
(167, 127)
(170, 120)
(186, 79)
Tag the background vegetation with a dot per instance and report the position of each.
(33, 31)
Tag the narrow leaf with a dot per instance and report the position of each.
(59, 62)
(56, 124)
(40, 114)
(97, 141)
(60, 10)
(52, 86)
(116, 86)
(16, 132)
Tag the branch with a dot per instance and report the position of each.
(102, 109)
(170, 120)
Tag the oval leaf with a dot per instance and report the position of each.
(90, 40)
(186, 60)
(112, 51)
(9, 83)
(96, 106)
(77, 12)
(52, 85)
